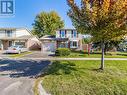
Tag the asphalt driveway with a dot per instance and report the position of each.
(17, 76)
(39, 54)
(33, 54)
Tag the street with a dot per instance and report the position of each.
(17, 76)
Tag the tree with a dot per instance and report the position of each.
(47, 23)
(123, 46)
(104, 20)
(87, 39)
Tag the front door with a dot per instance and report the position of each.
(10, 43)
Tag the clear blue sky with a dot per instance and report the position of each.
(26, 10)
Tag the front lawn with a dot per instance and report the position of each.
(80, 54)
(83, 78)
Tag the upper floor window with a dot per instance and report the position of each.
(74, 34)
(62, 34)
(9, 33)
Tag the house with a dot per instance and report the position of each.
(18, 36)
(64, 38)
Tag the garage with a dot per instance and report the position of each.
(48, 44)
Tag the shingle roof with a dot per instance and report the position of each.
(7, 28)
(25, 37)
(48, 37)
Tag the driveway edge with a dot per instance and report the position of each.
(41, 90)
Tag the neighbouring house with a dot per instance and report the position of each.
(18, 36)
(64, 38)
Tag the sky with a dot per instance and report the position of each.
(26, 11)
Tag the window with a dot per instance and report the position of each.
(75, 34)
(71, 34)
(9, 33)
(20, 43)
(62, 34)
(74, 44)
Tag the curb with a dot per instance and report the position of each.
(41, 90)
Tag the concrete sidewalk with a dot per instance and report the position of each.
(54, 58)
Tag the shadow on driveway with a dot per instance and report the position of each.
(22, 68)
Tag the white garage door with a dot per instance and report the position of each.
(48, 47)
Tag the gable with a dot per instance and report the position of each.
(22, 32)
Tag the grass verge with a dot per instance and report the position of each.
(35, 89)
(19, 55)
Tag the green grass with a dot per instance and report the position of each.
(84, 78)
(19, 55)
(79, 54)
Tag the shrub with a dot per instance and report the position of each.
(62, 52)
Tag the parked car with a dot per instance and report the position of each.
(16, 49)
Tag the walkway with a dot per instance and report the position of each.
(54, 58)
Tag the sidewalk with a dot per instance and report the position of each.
(53, 58)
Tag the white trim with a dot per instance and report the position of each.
(71, 44)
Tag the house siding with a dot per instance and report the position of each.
(31, 43)
(72, 35)
(22, 32)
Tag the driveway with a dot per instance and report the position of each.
(17, 76)
(39, 54)
(34, 54)
(2, 55)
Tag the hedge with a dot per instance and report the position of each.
(62, 52)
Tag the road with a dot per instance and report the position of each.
(16, 86)
(17, 76)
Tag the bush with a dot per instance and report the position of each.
(62, 52)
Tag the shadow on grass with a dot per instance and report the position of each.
(58, 68)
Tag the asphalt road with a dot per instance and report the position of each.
(17, 76)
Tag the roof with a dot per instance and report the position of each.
(66, 29)
(61, 39)
(7, 28)
(48, 37)
(25, 37)
(52, 38)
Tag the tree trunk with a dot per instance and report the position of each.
(105, 51)
(102, 58)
